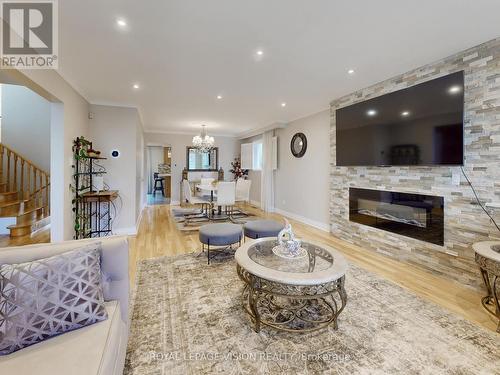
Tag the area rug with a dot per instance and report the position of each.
(187, 319)
(196, 221)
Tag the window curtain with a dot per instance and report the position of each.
(267, 173)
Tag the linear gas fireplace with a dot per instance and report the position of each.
(412, 215)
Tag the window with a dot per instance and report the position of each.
(257, 156)
(251, 155)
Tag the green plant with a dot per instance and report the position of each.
(81, 147)
(80, 151)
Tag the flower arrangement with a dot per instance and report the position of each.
(237, 171)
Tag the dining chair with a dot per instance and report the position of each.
(197, 201)
(243, 190)
(242, 194)
(226, 196)
(207, 180)
(204, 181)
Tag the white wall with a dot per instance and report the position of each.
(26, 124)
(302, 184)
(119, 128)
(228, 150)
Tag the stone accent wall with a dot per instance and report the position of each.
(465, 222)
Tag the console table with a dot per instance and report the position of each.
(488, 259)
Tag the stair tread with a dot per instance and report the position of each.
(12, 203)
(15, 226)
(21, 213)
(28, 211)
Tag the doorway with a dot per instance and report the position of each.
(159, 174)
(25, 163)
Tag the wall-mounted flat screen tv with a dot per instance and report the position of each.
(419, 125)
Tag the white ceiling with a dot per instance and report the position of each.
(184, 53)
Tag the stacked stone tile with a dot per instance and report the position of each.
(465, 222)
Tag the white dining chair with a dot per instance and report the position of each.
(243, 193)
(207, 180)
(197, 201)
(204, 181)
(226, 196)
(243, 190)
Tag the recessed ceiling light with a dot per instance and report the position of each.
(350, 71)
(136, 86)
(454, 89)
(121, 22)
(405, 113)
(283, 104)
(260, 52)
(371, 112)
(219, 97)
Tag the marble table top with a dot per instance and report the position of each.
(257, 258)
(485, 249)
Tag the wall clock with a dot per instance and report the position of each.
(298, 145)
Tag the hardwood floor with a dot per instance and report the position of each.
(158, 236)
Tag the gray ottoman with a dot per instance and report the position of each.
(220, 234)
(262, 228)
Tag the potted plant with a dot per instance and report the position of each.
(237, 171)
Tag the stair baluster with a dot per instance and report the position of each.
(8, 170)
(25, 191)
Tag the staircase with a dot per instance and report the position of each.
(24, 193)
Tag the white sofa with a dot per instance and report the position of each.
(96, 349)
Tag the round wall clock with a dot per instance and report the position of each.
(298, 145)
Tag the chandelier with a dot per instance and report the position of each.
(203, 142)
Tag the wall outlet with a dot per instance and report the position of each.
(455, 178)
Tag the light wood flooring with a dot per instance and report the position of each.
(158, 236)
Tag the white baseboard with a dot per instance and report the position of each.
(313, 223)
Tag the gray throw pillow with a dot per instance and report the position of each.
(50, 296)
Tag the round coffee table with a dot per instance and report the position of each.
(294, 295)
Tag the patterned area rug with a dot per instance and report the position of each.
(187, 319)
(196, 221)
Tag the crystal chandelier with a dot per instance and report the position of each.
(203, 142)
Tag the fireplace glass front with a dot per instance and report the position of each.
(412, 215)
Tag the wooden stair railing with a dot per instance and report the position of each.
(21, 175)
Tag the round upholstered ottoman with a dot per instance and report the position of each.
(220, 234)
(262, 228)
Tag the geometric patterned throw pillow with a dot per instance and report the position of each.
(50, 296)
